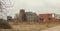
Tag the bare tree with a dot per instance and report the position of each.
(3, 14)
(4, 4)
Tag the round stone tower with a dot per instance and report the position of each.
(22, 16)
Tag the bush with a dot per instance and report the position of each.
(4, 24)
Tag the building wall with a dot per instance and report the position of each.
(31, 17)
(46, 18)
(57, 17)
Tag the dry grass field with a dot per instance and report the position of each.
(32, 26)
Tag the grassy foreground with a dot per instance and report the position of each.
(33, 26)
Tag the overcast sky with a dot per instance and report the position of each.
(38, 6)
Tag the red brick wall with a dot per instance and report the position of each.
(46, 18)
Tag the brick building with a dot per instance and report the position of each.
(46, 18)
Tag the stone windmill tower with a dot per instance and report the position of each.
(22, 16)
